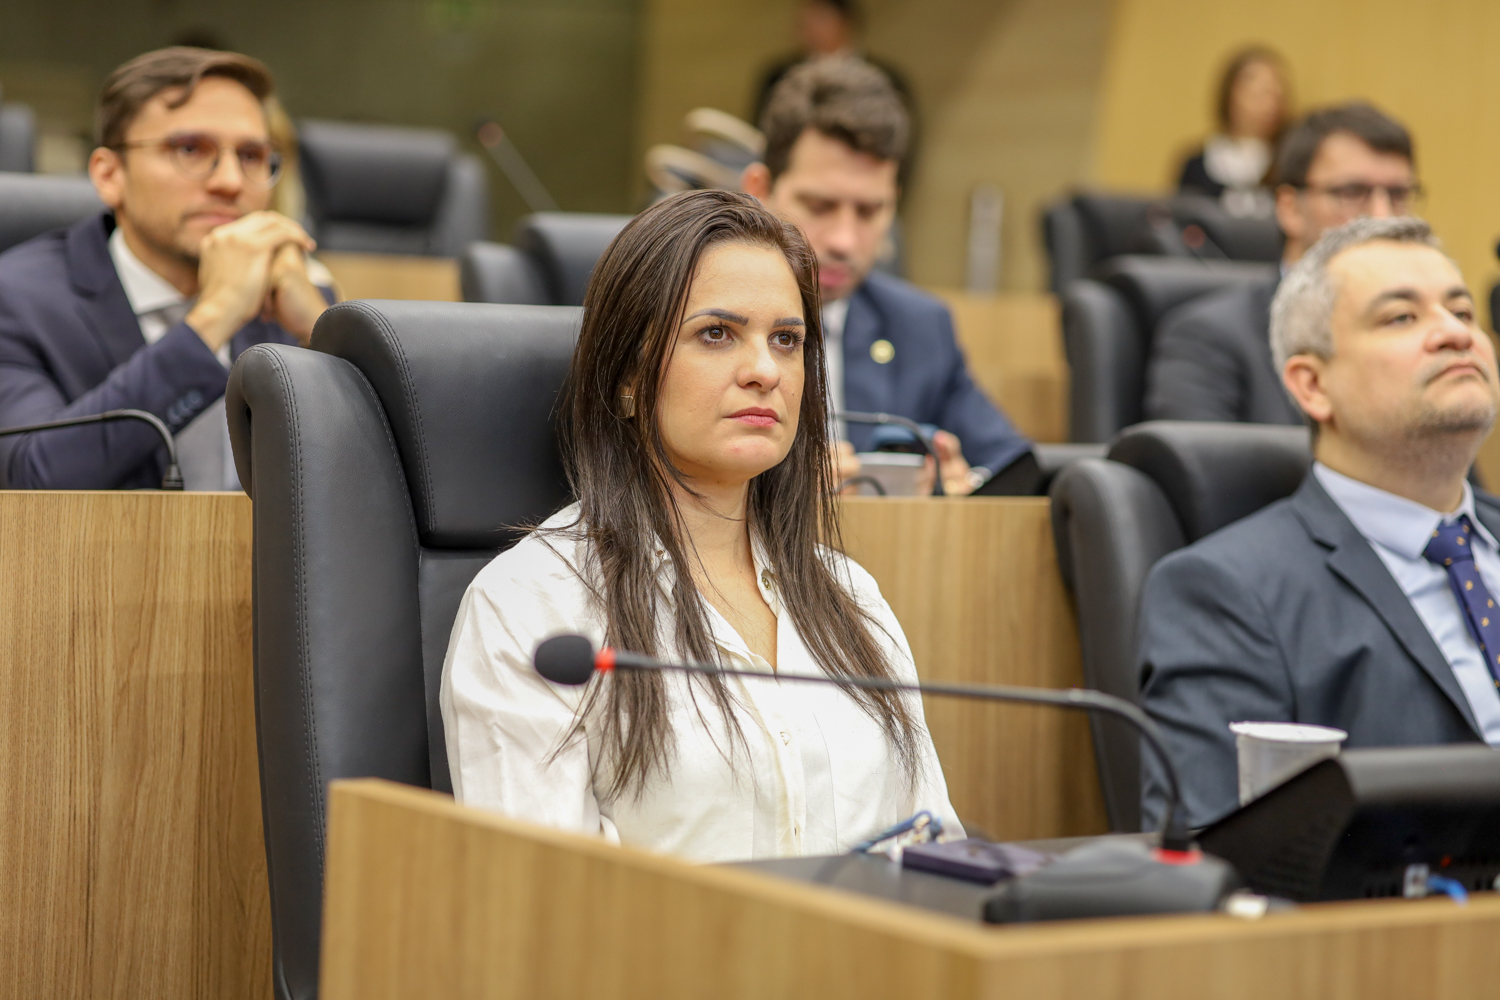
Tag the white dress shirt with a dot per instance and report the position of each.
(203, 449)
(1398, 530)
(814, 773)
(835, 314)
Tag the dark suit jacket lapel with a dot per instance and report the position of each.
(103, 305)
(868, 385)
(1355, 562)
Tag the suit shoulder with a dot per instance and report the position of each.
(1227, 312)
(893, 294)
(40, 259)
(1260, 547)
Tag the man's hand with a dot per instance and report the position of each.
(294, 301)
(955, 469)
(845, 465)
(234, 272)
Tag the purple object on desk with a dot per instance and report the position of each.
(973, 860)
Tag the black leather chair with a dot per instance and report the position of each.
(1084, 229)
(564, 247)
(387, 466)
(1209, 232)
(549, 264)
(383, 189)
(1163, 485)
(1108, 321)
(17, 138)
(33, 204)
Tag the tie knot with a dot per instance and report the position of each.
(1451, 543)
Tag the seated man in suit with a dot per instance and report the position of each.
(835, 137)
(145, 306)
(1366, 600)
(1211, 358)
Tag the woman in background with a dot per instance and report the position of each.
(694, 436)
(1253, 108)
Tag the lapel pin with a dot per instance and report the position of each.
(882, 351)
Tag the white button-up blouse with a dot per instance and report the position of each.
(813, 774)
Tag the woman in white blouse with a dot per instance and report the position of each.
(694, 432)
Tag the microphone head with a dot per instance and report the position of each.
(565, 659)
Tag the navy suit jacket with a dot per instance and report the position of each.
(70, 345)
(1286, 616)
(926, 380)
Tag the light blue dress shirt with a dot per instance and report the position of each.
(1398, 530)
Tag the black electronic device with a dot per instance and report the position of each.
(173, 478)
(1364, 823)
(1114, 878)
(973, 860)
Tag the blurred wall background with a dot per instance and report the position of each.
(558, 75)
(1431, 64)
(1007, 92)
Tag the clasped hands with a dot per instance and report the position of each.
(255, 266)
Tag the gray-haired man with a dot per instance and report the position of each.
(1366, 600)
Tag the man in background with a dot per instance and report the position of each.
(1211, 359)
(836, 134)
(146, 305)
(1366, 600)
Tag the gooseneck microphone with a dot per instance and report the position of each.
(171, 481)
(855, 417)
(571, 660)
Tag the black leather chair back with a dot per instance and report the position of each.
(564, 247)
(17, 138)
(1108, 322)
(1164, 485)
(494, 272)
(384, 189)
(388, 465)
(33, 204)
(1220, 234)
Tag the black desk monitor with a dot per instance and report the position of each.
(1354, 826)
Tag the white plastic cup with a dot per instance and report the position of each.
(1271, 752)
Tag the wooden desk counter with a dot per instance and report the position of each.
(427, 898)
(131, 858)
(975, 585)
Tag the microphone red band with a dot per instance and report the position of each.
(604, 660)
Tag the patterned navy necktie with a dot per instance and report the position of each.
(1452, 548)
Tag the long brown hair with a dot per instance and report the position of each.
(620, 472)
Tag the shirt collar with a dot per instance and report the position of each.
(835, 315)
(146, 290)
(1401, 525)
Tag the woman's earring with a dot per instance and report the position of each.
(627, 404)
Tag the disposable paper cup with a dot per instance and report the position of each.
(1271, 752)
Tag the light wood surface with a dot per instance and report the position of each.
(391, 276)
(131, 858)
(425, 898)
(1013, 341)
(975, 586)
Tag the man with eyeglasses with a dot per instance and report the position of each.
(146, 305)
(1211, 359)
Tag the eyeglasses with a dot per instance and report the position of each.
(1357, 197)
(197, 156)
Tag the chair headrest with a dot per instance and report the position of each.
(33, 204)
(1214, 474)
(1154, 286)
(374, 173)
(1238, 238)
(565, 247)
(470, 392)
(1116, 224)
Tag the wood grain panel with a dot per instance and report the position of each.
(131, 855)
(426, 898)
(975, 585)
(1014, 345)
(391, 276)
